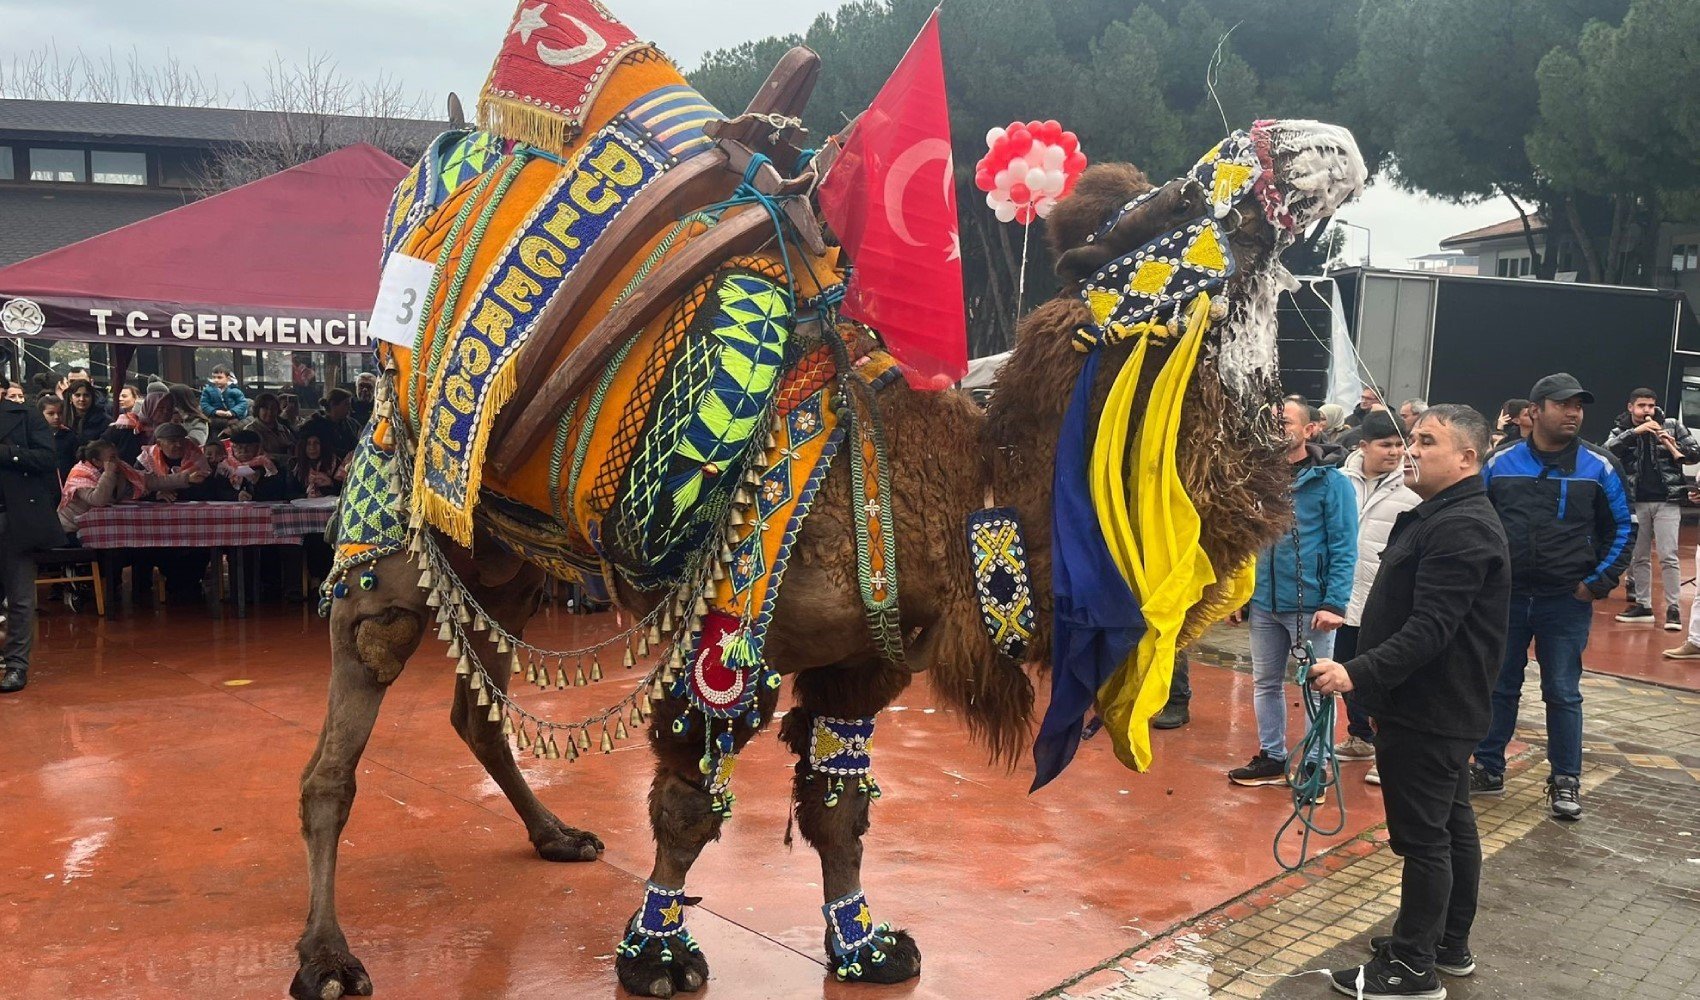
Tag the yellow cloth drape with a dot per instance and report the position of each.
(1152, 530)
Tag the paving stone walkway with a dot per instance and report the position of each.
(1608, 907)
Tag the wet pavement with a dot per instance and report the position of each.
(148, 806)
(149, 809)
(1605, 907)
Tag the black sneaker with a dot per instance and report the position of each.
(1636, 613)
(1452, 961)
(1673, 619)
(1564, 795)
(1385, 977)
(1263, 770)
(1173, 716)
(1485, 782)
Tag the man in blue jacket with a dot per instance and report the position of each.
(1571, 530)
(1304, 582)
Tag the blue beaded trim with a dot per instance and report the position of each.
(850, 922)
(842, 746)
(663, 913)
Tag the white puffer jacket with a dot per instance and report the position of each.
(1380, 502)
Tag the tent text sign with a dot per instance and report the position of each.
(36, 317)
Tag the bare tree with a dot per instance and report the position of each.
(51, 75)
(311, 108)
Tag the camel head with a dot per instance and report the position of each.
(1259, 187)
(1253, 193)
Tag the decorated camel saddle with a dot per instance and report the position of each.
(610, 348)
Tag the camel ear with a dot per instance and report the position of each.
(1171, 205)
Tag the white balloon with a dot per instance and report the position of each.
(994, 135)
(1054, 158)
(1044, 205)
(995, 198)
(1036, 179)
(1018, 168)
(1002, 180)
(1006, 212)
(1055, 181)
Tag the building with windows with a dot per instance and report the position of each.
(1502, 251)
(72, 170)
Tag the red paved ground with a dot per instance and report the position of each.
(148, 808)
(1633, 650)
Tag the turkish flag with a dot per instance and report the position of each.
(891, 198)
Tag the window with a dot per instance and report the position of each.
(1513, 267)
(119, 168)
(58, 165)
(6, 170)
(1683, 256)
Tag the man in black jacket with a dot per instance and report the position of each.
(1430, 645)
(29, 522)
(1653, 448)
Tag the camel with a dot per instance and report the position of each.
(948, 457)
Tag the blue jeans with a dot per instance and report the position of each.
(1558, 626)
(1272, 671)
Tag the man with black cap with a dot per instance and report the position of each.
(1571, 529)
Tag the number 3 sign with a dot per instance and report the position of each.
(396, 314)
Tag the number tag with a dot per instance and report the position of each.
(401, 294)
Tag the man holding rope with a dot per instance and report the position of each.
(1430, 645)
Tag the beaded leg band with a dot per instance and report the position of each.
(857, 942)
(662, 919)
(842, 748)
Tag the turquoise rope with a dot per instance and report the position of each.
(1306, 782)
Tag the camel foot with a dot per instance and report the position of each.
(330, 974)
(557, 841)
(891, 957)
(648, 974)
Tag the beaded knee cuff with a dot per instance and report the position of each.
(842, 748)
(662, 917)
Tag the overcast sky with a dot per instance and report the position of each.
(435, 46)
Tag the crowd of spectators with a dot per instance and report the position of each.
(159, 442)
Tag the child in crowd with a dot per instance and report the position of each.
(65, 444)
(221, 399)
(247, 473)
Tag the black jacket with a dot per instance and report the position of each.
(1649, 469)
(1433, 630)
(29, 480)
(1567, 517)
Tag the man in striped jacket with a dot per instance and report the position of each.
(1571, 530)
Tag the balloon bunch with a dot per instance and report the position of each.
(1027, 167)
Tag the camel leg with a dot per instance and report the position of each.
(512, 604)
(372, 635)
(832, 802)
(683, 820)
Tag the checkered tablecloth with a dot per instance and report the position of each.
(292, 521)
(199, 524)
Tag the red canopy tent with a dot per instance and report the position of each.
(289, 261)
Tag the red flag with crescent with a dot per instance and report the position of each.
(891, 198)
(556, 56)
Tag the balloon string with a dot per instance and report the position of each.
(1021, 280)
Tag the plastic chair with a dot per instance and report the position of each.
(65, 561)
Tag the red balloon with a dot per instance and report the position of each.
(1020, 193)
(1026, 214)
(1053, 127)
(1075, 163)
(983, 179)
(1069, 141)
